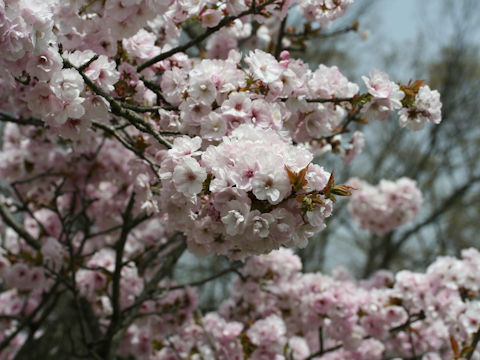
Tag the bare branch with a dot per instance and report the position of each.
(330, 100)
(475, 341)
(207, 279)
(7, 117)
(19, 229)
(281, 34)
(225, 21)
(117, 108)
(113, 132)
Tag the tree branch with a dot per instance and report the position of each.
(7, 117)
(117, 108)
(225, 21)
(119, 248)
(130, 313)
(281, 34)
(19, 229)
(475, 341)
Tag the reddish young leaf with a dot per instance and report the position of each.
(455, 348)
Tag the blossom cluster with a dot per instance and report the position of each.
(248, 204)
(121, 145)
(259, 109)
(323, 12)
(426, 108)
(386, 206)
(277, 312)
(108, 175)
(386, 96)
(212, 106)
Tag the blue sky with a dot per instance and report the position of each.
(399, 19)
(395, 26)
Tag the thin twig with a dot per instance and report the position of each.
(207, 279)
(111, 131)
(281, 34)
(19, 229)
(225, 21)
(475, 341)
(144, 109)
(117, 109)
(329, 100)
(7, 117)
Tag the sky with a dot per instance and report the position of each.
(399, 19)
(395, 26)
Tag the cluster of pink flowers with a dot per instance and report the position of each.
(426, 108)
(212, 105)
(103, 170)
(58, 96)
(118, 158)
(277, 312)
(324, 11)
(417, 104)
(26, 28)
(247, 205)
(99, 26)
(386, 96)
(386, 206)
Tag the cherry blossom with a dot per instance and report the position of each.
(126, 143)
(386, 206)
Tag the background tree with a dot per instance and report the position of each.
(431, 157)
(131, 137)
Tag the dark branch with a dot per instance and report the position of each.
(475, 341)
(19, 229)
(116, 108)
(225, 21)
(5, 116)
(281, 34)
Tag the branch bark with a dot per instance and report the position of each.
(19, 229)
(225, 21)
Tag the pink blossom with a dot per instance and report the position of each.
(42, 101)
(189, 176)
(103, 72)
(273, 186)
(213, 126)
(141, 45)
(44, 65)
(354, 147)
(67, 84)
(234, 216)
(264, 66)
(324, 11)
(267, 332)
(383, 207)
(211, 17)
(386, 95)
(20, 276)
(327, 82)
(426, 107)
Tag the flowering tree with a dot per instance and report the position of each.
(138, 129)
